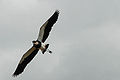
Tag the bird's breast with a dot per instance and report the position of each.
(42, 46)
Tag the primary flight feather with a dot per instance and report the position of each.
(38, 44)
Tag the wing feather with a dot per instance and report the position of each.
(47, 26)
(26, 58)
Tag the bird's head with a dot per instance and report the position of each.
(36, 44)
(33, 42)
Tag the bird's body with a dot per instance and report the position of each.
(39, 44)
(43, 47)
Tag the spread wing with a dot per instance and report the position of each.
(26, 58)
(46, 27)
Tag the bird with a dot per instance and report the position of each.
(38, 44)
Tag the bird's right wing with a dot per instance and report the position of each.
(26, 58)
(47, 26)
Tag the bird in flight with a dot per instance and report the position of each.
(38, 44)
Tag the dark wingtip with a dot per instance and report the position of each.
(17, 71)
(57, 11)
(14, 75)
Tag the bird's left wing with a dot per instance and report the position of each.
(46, 27)
(26, 58)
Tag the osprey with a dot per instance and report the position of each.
(38, 44)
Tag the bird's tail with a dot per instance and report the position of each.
(46, 49)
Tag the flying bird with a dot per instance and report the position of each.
(37, 44)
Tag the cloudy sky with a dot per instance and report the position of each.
(85, 40)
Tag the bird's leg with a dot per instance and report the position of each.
(49, 51)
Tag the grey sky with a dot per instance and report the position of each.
(85, 40)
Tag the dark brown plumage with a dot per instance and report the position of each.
(25, 60)
(49, 25)
(38, 44)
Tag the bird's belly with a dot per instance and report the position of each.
(42, 47)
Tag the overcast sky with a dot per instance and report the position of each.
(85, 40)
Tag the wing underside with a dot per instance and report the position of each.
(47, 26)
(26, 58)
